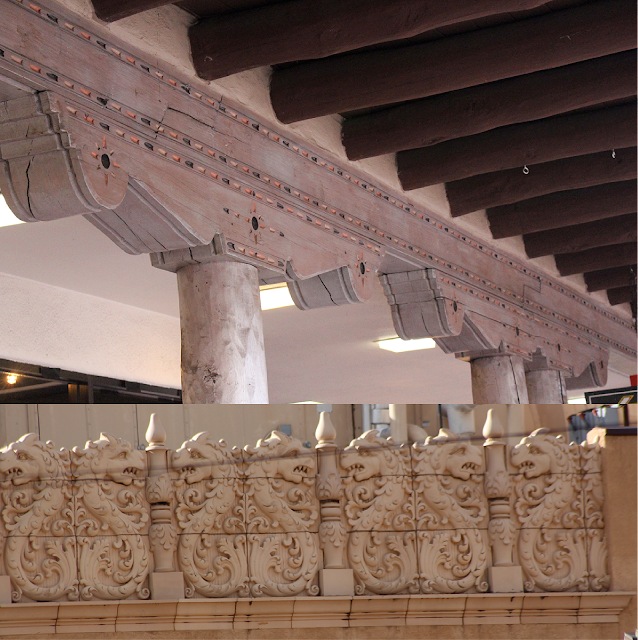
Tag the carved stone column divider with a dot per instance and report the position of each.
(503, 576)
(165, 583)
(334, 579)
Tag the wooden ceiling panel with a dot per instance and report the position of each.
(617, 255)
(621, 295)
(611, 278)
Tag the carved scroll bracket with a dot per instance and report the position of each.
(503, 575)
(164, 582)
(334, 578)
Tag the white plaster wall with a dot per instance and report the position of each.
(51, 326)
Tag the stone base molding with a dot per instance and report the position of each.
(136, 616)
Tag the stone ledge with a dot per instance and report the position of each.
(288, 613)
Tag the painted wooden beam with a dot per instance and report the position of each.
(562, 209)
(518, 145)
(610, 278)
(617, 255)
(374, 78)
(306, 29)
(111, 10)
(512, 185)
(448, 116)
(621, 294)
(580, 237)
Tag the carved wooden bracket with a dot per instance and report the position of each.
(164, 166)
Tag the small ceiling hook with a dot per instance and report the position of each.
(525, 169)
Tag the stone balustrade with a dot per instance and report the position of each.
(444, 516)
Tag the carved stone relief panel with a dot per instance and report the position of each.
(112, 520)
(451, 514)
(552, 545)
(212, 549)
(39, 551)
(282, 516)
(380, 515)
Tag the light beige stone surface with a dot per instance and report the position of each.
(505, 579)
(5, 590)
(336, 582)
(167, 586)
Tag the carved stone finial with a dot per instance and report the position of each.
(326, 432)
(493, 429)
(155, 434)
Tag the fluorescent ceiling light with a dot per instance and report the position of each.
(398, 346)
(6, 215)
(576, 401)
(275, 296)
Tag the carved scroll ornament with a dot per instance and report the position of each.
(262, 521)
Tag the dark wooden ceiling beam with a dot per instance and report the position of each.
(517, 145)
(621, 294)
(429, 121)
(111, 10)
(373, 78)
(610, 278)
(563, 208)
(306, 29)
(512, 185)
(617, 255)
(579, 237)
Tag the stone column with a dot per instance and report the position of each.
(399, 422)
(545, 385)
(223, 359)
(165, 583)
(498, 378)
(334, 578)
(503, 576)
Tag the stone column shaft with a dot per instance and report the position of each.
(545, 386)
(498, 379)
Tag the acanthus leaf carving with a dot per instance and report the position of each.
(282, 515)
(37, 514)
(451, 508)
(112, 517)
(212, 546)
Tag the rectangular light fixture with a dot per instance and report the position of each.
(275, 296)
(398, 346)
(6, 215)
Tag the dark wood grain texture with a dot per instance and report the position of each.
(620, 295)
(373, 78)
(518, 145)
(610, 278)
(512, 185)
(306, 29)
(429, 121)
(580, 237)
(617, 255)
(563, 208)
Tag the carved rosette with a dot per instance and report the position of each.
(552, 543)
(379, 511)
(112, 516)
(282, 513)
(451, 514)
(39, 552)
(210, 513)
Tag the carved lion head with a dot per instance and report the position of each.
(371, 455)
(30, 459)
(282, 455)
(202, 458)
(541, 453)
(109, 458)
(451, 454)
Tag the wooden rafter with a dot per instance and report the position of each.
(305, 29)
(621, 294)
(563, 208)
(580, 237)
(111, 10)
(518, 145)
(610, 278)
(374, 78)
(512, 185)
(617, 255)
(429, 121)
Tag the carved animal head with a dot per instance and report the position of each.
(454, 455)
(30, 459)
(371, 455)
(282, 455)
(201, 458)
(109, 458)
(541, 453)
